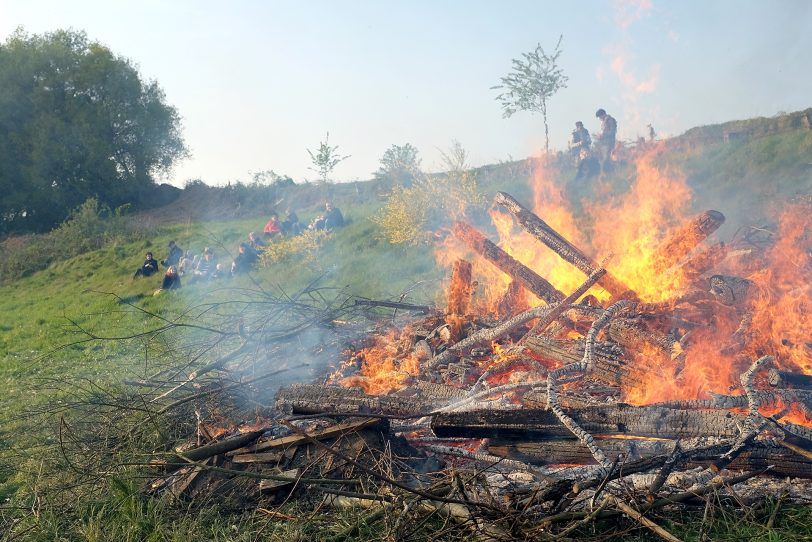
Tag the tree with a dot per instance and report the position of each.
(77, 121)
(325, 159)
(399, 165)
(532, 83)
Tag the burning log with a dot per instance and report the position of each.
(459, 297)
(320, 399)
(782, 379)
(631, 334)
(610, 365)
(730, 290)
(506, 263)
(680, 243)
(514, 300)
(542, 231)
(531, 424)
(704, 261)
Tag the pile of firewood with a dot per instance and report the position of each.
(537, 427)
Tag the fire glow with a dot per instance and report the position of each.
(647, 233)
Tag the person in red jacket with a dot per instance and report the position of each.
(273, 227)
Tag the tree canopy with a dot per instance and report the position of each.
(76, 121)
(531, 84)
(399, 164)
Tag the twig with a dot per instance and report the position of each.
(644, 521)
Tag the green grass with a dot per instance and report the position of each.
(39, 310)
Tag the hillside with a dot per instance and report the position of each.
(744, 176)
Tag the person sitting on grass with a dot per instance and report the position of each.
(186, 264)
(256, 242)
(175, 254)
(273, 227)
(291, 225)
(245, 260)
(150, 267)
(171, 279)
(206, 268)
(333, 217)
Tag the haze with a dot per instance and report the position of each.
(257, 83)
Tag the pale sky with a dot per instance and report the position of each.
(259, 82)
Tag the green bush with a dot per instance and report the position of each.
(91, 226)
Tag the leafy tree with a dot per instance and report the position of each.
(325, 159)
(532, 83)
(76, 121)
(399, 165)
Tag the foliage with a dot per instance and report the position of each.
(325, 159)
(399, 165)
(76, 121)
(532, 83)
(304, 248)
(430, 201)
(269, 177)
(90, 226)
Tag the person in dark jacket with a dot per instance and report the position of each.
(171, 279)
(175, 254)
(150, 267)
(245, 260)
(608, 139)
(333, 217)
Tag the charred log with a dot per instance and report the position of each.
(730, 290)
(506, 263)
(610, 365)
(532, 424)
(459, 296)
(787, 379)
(320, 399)
(542, 231)
(680, 243)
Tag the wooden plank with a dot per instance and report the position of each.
(295, 440)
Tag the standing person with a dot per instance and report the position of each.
(175, 254)
(149, 267)
(580, 139)
(608, 139)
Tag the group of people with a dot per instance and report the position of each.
(329, 220)
(180, 263)
(592, 161)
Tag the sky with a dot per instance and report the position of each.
(257, 83)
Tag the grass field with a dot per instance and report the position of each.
(43, 311)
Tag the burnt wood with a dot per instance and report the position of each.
(682, 241)
(542, 231)
(620, 419)
(506, 263)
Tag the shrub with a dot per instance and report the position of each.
(90, 226)
(305, 248)
(431, 201)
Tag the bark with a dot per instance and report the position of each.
(507, 264)
(322, 399)
(533, 424)
(215, 448)
(542, 231)
(681, 242)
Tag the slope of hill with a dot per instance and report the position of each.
(46, 309)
